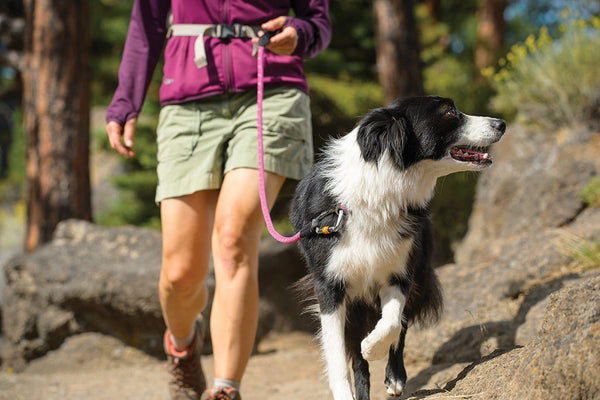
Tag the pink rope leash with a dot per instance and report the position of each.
(261, 167)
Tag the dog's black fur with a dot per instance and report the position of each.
(384, 173)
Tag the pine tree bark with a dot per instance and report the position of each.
(398, 49)
(491, 28)
(56, 100)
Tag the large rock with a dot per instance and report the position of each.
(496, 304)
(87, 279)
(533, 184)
(92, 278)
(560, 363)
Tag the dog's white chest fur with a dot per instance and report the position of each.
(367, 266)
(377, 195)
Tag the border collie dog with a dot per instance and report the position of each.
(372, 274)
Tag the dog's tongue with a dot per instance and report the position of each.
(463, 154)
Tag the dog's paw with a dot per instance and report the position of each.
(394, 388)
(374, 347)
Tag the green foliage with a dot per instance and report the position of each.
(12, 185)
(584, 253)
(552, 82)
(136, 206)
(353, 98)
(590, 194)
(447, 54)
(453, 77)
(108, 28)
(109, 25)
(451, 208)
(352, 49)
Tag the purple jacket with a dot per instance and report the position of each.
(231, 66)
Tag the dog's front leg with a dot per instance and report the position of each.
(377, 344)
(334, 349)
(395, 372)
(333, 320)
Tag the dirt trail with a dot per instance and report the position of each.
(96, 367)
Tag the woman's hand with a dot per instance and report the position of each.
(121, 138)
(283, 43)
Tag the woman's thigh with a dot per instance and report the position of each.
(187, 223)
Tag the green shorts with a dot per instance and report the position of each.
(200, 141)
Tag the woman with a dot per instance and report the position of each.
(207, 158)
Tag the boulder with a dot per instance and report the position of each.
(495, 305)
(561, 362)
(533, 184)
(92, 278)
(88, 278)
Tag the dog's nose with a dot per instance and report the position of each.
(499, 124)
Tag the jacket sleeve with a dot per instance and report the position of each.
(313, 25)
(143, 48)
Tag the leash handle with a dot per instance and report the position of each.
(261, 166)
(265, 38)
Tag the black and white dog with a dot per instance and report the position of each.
(372, 275)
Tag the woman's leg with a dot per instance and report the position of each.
(186, 230)
(235, 242)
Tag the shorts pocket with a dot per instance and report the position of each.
(178, 132)
(286, 112)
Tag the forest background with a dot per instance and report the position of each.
(346, 81)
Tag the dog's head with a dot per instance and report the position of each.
(425, 129)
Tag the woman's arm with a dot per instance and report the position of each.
(143, 48)
(312, 25)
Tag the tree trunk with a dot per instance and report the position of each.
(398, 49)
(433, 9)
(490, 32)
(56, 100)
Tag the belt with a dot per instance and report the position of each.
(221, 31)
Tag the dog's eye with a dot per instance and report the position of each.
(451, 112)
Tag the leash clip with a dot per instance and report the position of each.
(326, 230)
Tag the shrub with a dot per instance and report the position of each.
(584, 253)
(590, 194)
(452, 77)
(352, 98)
(552, 82)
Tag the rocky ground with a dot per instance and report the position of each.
(96, 367)
(93, 366)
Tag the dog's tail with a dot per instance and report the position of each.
(305, 293)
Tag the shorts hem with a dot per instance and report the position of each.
(274, 165)
(186, 186)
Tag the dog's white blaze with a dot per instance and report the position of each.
(387, 330)
(479, 131)
(476, 132)
(334, 349)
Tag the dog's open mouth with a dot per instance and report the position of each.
(470, 155)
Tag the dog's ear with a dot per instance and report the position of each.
(381, 131)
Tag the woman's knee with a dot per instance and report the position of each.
(183, 277)
(235, 248)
